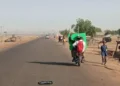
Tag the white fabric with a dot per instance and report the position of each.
(76, 43)
(84, 46)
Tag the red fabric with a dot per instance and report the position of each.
(80, 47)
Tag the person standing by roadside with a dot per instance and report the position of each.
(104, 53)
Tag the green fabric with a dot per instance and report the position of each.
(74, 36)
(70, 43)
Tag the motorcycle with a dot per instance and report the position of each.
(78, 59)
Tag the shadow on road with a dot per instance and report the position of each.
(54, 63)
(92, 62)
(108, 68)
(98, 65)
(104, 67)
(97, 54)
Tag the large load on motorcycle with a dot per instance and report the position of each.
(73, 38)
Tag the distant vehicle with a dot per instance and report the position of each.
(47, 36)
(107, 38)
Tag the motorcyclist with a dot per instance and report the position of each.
(71, 47)
(80, 44)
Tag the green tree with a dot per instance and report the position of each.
(72, 26)
(107, 32)
(112, 32)
(98, 29)
(85, 26)
(118, 31)
(64, 32)
(92, 31)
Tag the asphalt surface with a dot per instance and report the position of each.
(43, 60)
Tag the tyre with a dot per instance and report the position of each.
(79, 63)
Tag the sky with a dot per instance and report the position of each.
(40, 16)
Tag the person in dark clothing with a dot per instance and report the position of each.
(59, 39)
(73, 49)
(63, 40)
(80, 47)
(104, 53)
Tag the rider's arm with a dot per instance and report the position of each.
(75, 44)
(84, 46)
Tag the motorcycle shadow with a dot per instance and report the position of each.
(54, 63)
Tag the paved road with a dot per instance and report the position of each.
(43, 59)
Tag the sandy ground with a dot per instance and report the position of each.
(112, 63)
(93, 57)
(93, 54)
(20, 40)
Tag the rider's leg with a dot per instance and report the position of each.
(73, 55)
(63, 41)
(82, 57)
(79, 54)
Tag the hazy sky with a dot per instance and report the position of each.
(46, 15)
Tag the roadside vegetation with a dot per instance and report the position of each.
(87, 27)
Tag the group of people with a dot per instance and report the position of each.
(78, 47)
(61, 39)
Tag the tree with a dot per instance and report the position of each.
(112, 32)
(107, 32)
(92, 31)
(118, 31)
(98, 29)
(64, 32)
(72, 26)
(85, 26)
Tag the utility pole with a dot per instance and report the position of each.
(5, 33)
(78, 30)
